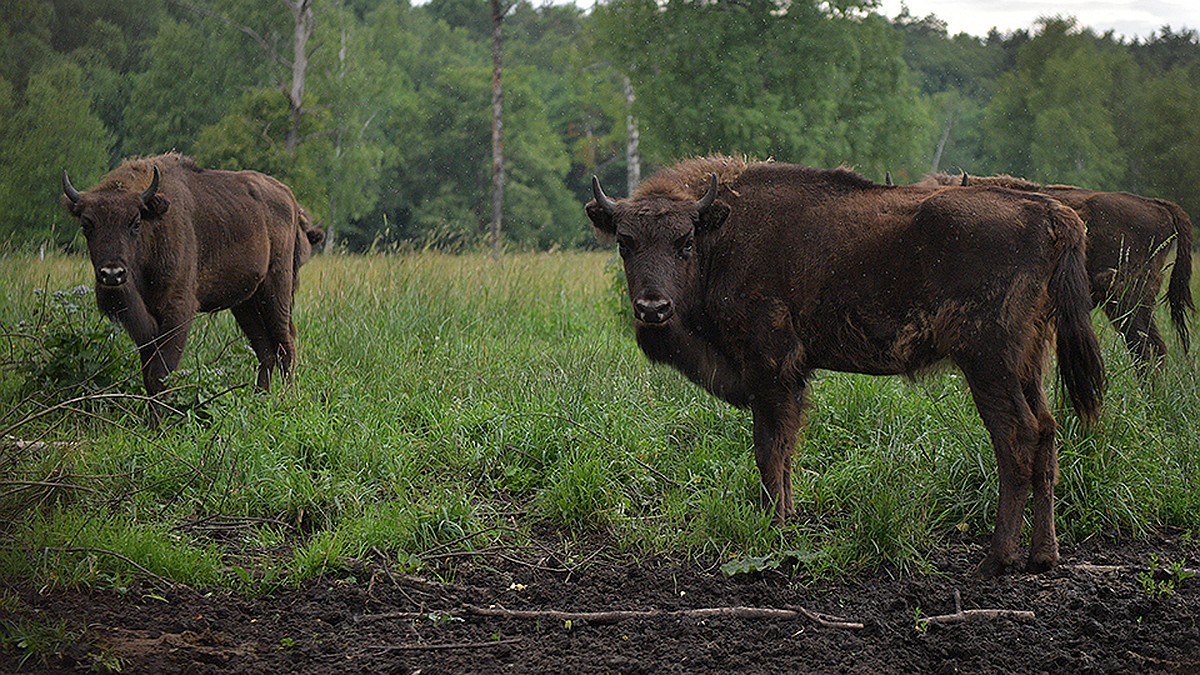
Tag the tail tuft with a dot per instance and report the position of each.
(1179, 290)
(1079, 360)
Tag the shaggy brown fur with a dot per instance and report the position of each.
(793, 269)
(201, 241)
(1129, 238)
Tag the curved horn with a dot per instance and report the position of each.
(887, 179)
(69, 189)
(602, 199)
(708, 198)
(150, 191)
(965, 182)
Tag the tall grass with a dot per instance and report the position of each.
(445, 404)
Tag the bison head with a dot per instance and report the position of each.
(112, 223)
(657, 238)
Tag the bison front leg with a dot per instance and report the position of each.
(164, 354)
(777, 423)
(160, 357)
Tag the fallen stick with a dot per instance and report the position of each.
(979, 615)
(161, 579)
(445, 645)
(617, 616)
(1108, 569)
(19, 444)
(964, 616)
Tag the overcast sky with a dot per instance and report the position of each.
(1127, 18)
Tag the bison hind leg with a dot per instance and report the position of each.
(1014, 431)
(251, 322)
(1043, 549)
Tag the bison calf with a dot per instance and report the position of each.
(167, 239)
(747, 277)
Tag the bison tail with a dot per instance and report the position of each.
(1079, 360)
(1179, 291)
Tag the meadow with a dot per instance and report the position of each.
(453, 405)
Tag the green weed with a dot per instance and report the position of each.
(35, 641)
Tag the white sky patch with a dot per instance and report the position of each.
(1126, 18)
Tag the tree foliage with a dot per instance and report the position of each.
(393, 142)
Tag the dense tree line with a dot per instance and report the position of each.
(377, 111)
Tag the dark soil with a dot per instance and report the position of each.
(1094, 613)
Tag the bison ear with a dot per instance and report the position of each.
(712, 217)
(602, 222)
(75, 208)
(155, 207)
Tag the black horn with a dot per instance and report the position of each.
(602, 199)
(965, 182)
(69, 189)
(708, 198)
(887, 179)
(150, 191)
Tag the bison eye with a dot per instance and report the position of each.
(87, 226)
(135, 225)
(624, 246)
(686, 247)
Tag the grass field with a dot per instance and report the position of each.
(448, 404)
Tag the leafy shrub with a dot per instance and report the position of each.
(69, 349)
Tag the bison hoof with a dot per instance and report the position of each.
(1039, 564)
(995, 566)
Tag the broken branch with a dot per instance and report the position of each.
(617, 616)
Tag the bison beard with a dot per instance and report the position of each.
(167, 239)
(747, 277)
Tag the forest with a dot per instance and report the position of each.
(378, 112)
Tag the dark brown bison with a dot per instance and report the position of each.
(168, 239)
(747, 277)
(1129, 238)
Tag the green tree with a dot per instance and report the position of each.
(1164, 145)
(195, 71)
(253, 135)
(55, 129)
(801, 81)
(1050, 119)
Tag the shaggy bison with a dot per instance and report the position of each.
(1128, 240)
(747, 277)
(168, 239)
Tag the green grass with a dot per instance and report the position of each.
(445, 404)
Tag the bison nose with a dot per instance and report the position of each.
(652, 310)
(111, 275)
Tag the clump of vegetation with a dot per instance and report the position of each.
(36, 642)
(1162, 580)
(68, 349)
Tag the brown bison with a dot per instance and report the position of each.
(1128, 240)
(747, 277)
(168, 238)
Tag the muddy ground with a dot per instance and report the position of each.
(1111, 606)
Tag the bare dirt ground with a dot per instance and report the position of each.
(1097, 612)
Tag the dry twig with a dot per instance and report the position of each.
(963, 616)
(617, 616)
(162, 580)
(451, 645)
